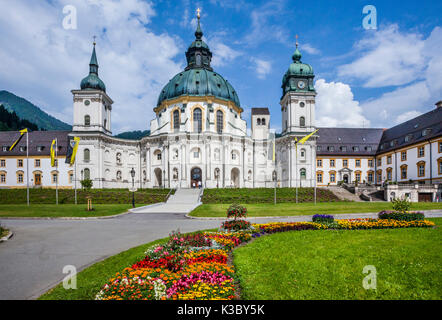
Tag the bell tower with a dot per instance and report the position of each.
(92, 106)
(298, 97)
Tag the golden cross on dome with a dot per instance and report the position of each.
(198, 12)
(95, 37)
(296, 40)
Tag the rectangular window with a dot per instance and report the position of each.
(319, 177)
(159, 156)
(345, 163)
(370, 177)
(55, 162)
(389, 175)
(2, 163)
(20, 163)
(404, 155)
(358, 177)
(440, 147)
(71, 177)
(332, 162)
(389, 160)
(2, 177)
(319, 163)
(196, 154)
(54, 178)
(332, 177)
(380, 162)
(37, 163)
(358, 163)
(370, 163)
(421, 152)
(20, 178)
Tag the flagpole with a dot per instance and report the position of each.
(27, 167)
(296, 169)
(56, 168)
(75, 183)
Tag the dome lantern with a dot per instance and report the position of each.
(92, 81)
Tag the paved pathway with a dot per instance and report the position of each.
(31, 262)
(183, 201)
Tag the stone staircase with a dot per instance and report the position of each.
(344, 194)
(183, 201)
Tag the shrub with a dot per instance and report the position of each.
(401, 216)
(322, 218)
(402, 205)
(236, 225)
(236, 211)
(86, 184)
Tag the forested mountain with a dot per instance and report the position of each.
(133, 135)
(25, 110)
(9, 121)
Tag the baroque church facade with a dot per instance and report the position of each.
(198, 135)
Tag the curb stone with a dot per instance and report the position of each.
(7, 237)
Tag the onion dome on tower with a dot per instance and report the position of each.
(198, 78)
(299, 76)
(92, 81)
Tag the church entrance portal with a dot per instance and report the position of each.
(195, 177)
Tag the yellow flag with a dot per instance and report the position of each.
(303, 140)
(22, 132)
(74, 150)
(53, 152)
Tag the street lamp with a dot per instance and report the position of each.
(132, 173)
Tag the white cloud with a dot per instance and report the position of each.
(388, 57)
(262, 67)
(409, 62)
(42, 62)
(336, 107)
(222, 53)
(309, 49)
(407, 116)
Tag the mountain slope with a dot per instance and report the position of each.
(133, 135)
(27, 111)
(9, 121)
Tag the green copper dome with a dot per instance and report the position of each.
(299, 76)
(198, 78)
(199, 82)
(92, 81)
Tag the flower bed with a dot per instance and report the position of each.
(196, 266)
(404, 216)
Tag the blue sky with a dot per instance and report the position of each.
(374, 78)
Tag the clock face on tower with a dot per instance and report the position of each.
(301, 84)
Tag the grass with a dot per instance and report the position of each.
(293, 209)
(66, 196)
(326, 264)
(265, 195)
(62, 210)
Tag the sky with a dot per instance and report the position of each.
(364, 77)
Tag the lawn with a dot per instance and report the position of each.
(293, 209)
(266, 195)
(62, 210)
(328, 264)
(66, 196)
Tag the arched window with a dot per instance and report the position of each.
(118, 158)
(86, 174)
(197, 120)
(303, 174)
(259, 122)
(219, 121)
(176, 120)
(302, 122)
(217, 172)
(87, 120)
(263, 121)
(86, 155)
(119, 176)
(175, 174)
(198, 59)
